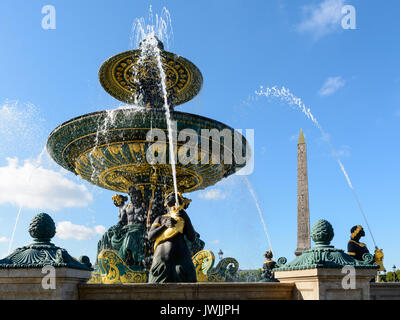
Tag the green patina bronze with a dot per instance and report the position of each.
(42, 252)
(225, 270)
(123, 238)
(114, 158)
(119, 75)
(323, 255)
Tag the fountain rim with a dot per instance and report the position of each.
(133, 110)
(50, 145)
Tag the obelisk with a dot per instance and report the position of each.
(303, 211)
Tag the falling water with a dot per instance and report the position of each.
(36, 164)
(101, 132)
(168, 117)
(253, 194)
(162, 29)
(158, 27)
(285, 95)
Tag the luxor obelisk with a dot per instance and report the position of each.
(303, 211)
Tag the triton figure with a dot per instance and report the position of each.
(133, 233)
(111, 234)
(172, 260)
(134, 210)
(126, 237)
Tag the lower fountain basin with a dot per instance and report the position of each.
(110, 149)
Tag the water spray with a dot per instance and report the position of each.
(253, 194)
(161, 29)
(36, 165)
(285, 95)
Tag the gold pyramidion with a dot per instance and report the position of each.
(301, 138)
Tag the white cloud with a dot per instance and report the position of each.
(213, 194)
(35, 187)
(214, 242)
(3, 239)
(331, 85)
(323, 18)
(68, 230)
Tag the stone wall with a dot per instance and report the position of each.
(26, 284)
(188, 291)
(385, 291)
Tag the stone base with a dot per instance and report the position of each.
(326, 284)
(187, 291)
(26, 284)
(385, 291)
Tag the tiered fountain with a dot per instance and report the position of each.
(110, 148)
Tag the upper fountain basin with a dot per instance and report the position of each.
(132, 75)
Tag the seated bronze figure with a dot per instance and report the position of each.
(354, 247)
(172, 261)
(269, 264)
(126, 237)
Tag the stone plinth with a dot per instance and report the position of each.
(385, 291)
(326, 273)
(187, 291)
(326, 284)
(26, 284)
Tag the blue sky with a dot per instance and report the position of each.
(350, 79)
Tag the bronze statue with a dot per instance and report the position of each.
(134, 210)
(357, 249)
(354, 247)
(106, 239)
(269, 264)
(131, 248)
(126, 237)
(172, 260)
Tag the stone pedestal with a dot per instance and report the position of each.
(26, 284)
(326, 273)
(327, 284)
(188, 291)
(385, 291)
(41, 270)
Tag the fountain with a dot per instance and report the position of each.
(115, 149)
